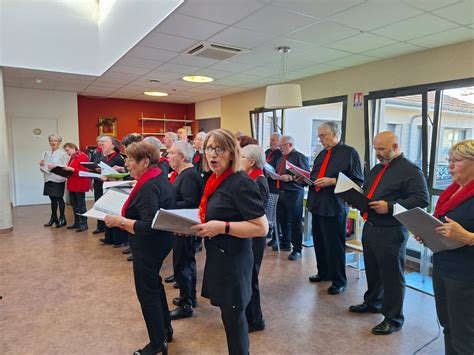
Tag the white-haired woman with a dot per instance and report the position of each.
(54, 184)
(253, 161)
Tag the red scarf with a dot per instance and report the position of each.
(164, 159)
(173, 176)
(110, 156)
(197, 158)
(255, 173)
(448, 202)
(270, 155)
(149, 174)
(211, 186)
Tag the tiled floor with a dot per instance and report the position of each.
(65, 293)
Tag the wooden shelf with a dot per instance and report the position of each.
(164, 120)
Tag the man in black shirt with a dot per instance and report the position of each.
(394, 180)
(329, 212)
(290, 202)
(187, 185)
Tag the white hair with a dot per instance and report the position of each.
(186, 149)
(256, 153)
(155, 141)
(333, 126)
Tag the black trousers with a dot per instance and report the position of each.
(98, 192)
(236, 330)
(115, 236)
(184, 267)
(150, 290)
(78, 203)
(55, 202)
(384, 258)
(290, 217)
(455, 307)
(253, 312)
(329, 237)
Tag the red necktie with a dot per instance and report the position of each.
(322, 171)
(365, 215)
(270, 155)
(281, 169)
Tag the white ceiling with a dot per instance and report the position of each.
(324, 35)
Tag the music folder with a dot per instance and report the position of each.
(59, 170)
(298, 172)
(176, 221)
(423, 224)
(110, 203)
(352, 193)
(90, 166)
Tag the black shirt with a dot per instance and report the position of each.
(154, 194)
(295, 158)
(343, 159)
(263, 188)
(117, 159)
(402, 183)
(188, 188)
(228, 270)
(458, 263)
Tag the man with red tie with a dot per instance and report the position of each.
(329, 212)
(290, 201)
(384, 239)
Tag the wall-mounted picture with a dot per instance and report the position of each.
(107, 126)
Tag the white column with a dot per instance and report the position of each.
(5, 202)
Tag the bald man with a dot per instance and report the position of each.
(394, 180)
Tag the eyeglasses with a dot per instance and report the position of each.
(218, 150)
(453, 161)
(283, 144)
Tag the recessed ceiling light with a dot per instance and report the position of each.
(197, 79)
(154, 81)
(155, 93)
(38, 80)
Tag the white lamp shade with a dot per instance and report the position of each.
(283, 96)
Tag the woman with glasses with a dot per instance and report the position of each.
(232, 213)
(149, 246)
(453, 277)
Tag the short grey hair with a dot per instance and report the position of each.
(172, 135)
(155, 141)
(288, 138)
(56, 136)
(275, 134)
(333, 126)
(184, 148)
(256, 153)
(201, 135)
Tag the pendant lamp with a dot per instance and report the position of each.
(283, 95)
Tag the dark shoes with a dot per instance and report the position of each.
(169, 279)
(148, 350)
(127, 251)
(52, 220)
(178, 301)
(73, 226)
(169, 334)
(385, 328)
(105, 241)
(317, 278)
(130, 258)
(271, 243)
(295, 255)
(257, 326)
(176, 286)
(120, 245)
(82, 228)
(179, 312)
(363, 308)
(61, 223)
(98, 230)
(335, 290)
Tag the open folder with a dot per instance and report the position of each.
(298, 172)
(110, 203)
(61, 171)
(422, 224)
(177, 221)
(270, 172)
(352, 193)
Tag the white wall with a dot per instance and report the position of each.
(41, 104)
(208, 109)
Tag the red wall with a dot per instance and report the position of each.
(128, 113)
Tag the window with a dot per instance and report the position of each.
(264, 123)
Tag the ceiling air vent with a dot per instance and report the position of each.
(214, 51)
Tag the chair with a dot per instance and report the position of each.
(271, 209)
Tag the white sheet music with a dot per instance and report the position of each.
(345, 184)
(110, 203)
